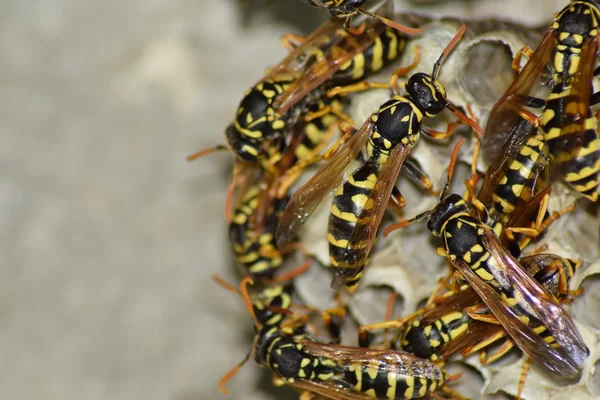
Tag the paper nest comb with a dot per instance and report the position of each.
(476, 73)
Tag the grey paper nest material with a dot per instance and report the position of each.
(406, 261)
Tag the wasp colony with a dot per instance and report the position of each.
(413, 207)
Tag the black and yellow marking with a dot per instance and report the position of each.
(397, 123)
(260, 129)
(256, 251)
(576, 25)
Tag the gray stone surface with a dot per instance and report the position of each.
(108, 237)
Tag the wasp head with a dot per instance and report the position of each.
(427, 93)
(446, 209)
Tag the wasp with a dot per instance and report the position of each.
(524, 308)
(569, 49)
(458, 322)
(359, 203)
(336, 371)
(256, 250)
(347, 9)
(330, 56)
(253, 225)
(516, 188)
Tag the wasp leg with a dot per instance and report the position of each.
(467, 351)
(414, 173)
(438, 134)
(524, 372)
(363, 331)
(333, 328)
(356, 87)
(311, 115)
(541, 224)
(290, 176)
(475, 313)
(449, 392)
(398, 202)
(291, 41)
(485, 358)
(306, 396)
(516, 62)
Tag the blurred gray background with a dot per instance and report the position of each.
(108, 236)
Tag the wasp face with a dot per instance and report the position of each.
(242, 146)
(427, 93)
(446, 209)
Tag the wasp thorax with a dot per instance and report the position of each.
(427, 93)
(448, 207)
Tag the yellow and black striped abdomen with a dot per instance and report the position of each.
(386, 47)
(410, 380)
(576, 155)
(350, 203)
(256, 251)
(526, 174)
(426, 340)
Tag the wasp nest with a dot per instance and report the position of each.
(476, 74)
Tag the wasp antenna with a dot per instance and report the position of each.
(204, 152)
(447, 50)
(244, 292)
(231, 373)
(224, 284)
(399, 27)
(402, 224)
(469, 121)
(451, 167)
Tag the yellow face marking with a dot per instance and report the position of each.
(427, 330)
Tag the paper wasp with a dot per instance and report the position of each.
(330, 56)
(385, 141)
(335, 371)
(519, 303)
(569, 49)
(349, 8)
(458, 322)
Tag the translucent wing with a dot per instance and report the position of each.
(303, 55)
(385, 360)
(330, 390)
(322, 55)
(578, 106)
(322, 184)
(569, 358)
(505, 114)
(363, 237)
(515, 139)
(456, 302)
